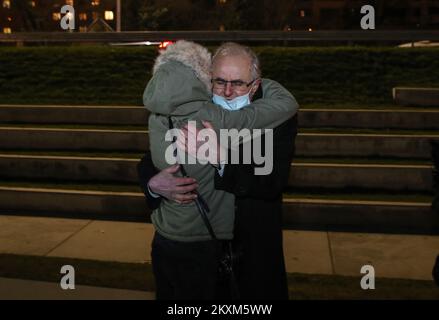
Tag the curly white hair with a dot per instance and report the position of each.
(191, 54)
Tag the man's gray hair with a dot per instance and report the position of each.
(236, 49)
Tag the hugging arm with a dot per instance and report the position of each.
(240, 179)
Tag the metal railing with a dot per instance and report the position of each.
(219, 36)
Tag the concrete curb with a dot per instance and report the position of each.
(369, 119)
(381, 177)
(298, 213)
(307, 144)
(428, 97)
(361, 216)
(111, 115)
(386, 177)
(74, 202)
(73, 139)
(69, 168)
(138, 115)
(332, 144)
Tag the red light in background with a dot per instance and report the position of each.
(164, 44)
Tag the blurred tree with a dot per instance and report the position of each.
(130, 14)
(261, 14)
(216, 14)
(191, 14)
(178, 15)
(24, 13)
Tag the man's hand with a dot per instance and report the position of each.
(190, 142)
(173, 188)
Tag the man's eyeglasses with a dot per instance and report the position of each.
(219, 83)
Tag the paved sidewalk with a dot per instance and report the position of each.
(14, 289)
(338, 253)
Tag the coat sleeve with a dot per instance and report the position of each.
(241, 180)
(145, 171)
(277, 106)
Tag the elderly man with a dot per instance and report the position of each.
(258, 205)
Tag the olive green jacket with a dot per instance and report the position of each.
(176, 91)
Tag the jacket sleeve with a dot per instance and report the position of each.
(145, 171)
(276, 106)
(241, 179)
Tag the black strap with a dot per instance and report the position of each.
(202, 206)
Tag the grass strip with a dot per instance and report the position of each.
(139, 276)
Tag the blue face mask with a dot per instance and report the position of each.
(234, 104)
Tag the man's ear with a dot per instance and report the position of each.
(211, 78)
(255, 87)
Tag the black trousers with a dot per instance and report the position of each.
(186, 270)
(261, 271)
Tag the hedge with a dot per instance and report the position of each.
(104, 75)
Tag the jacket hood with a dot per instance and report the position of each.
(180, 81)
(192, 55)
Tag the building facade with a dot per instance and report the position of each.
(45, 15)
(346, 14)
(99, 15)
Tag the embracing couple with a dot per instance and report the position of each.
(204, 211)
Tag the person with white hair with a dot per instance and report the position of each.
(185, 258)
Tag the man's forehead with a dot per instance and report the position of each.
(236, 66)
